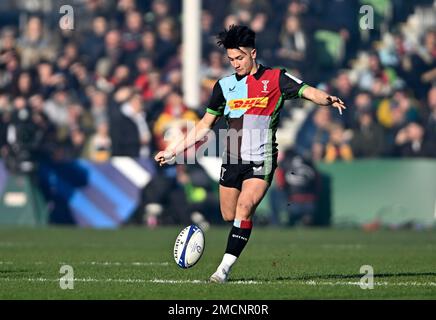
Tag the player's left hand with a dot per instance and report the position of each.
(335, 102)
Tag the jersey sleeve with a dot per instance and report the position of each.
(217, 101)
(290, 86)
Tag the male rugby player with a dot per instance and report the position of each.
(250, 100)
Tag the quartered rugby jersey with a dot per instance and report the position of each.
(251, 106)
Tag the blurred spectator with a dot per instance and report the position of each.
(9, 59)
(23, 85)
(71, 52)
(34, 44)
(99, 107)
(293, 44)
(88, 10)
(296, 8)
(248, 7)
(102, 73)
(313, 134)
(430, 56)
(121, 76)
(230, 20)
(342, 87)
(160, 9)
(363, 103)
(149, 47)
(338, 147)
(368, 136)
(398, 110)
(56, 107)
(80, 79)
(392, 50)
(130, 134)
(412, 142)
(23, 139)
(430, 126)
(173, 121)
(423, 64)
(131, 36)
(47, 79)
(144, 65)
(374, 72)
(174, 79)
(207, 32)
(167, 39)
(214, 68)
(99, 145)
(122, 8)
(113, 51)
(7, 46)
(266, 37)
(72, 135)
(159, 88)
(92, 46)
(45, 126)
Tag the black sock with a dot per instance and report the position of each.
(238, 237)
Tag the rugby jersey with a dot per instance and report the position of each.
(251, 106)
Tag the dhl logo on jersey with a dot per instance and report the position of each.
(248, 103)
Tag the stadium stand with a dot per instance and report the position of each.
(111, 87)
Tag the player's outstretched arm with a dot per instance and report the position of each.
(197, 133)
(324, 99)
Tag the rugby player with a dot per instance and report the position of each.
(250, 100)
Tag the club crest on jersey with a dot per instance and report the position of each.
(265, 86)
(238, 104)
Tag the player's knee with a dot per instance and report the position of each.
(228, 215)
(228, 219)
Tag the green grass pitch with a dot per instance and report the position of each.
(137, 263)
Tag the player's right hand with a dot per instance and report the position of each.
(164, 157)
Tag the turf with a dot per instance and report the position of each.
(137, 263)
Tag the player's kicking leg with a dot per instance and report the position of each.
(239, 207)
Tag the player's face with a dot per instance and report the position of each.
(242, 60)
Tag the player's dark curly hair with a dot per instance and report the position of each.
(236, 36)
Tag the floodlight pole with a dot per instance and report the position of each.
(191, 54)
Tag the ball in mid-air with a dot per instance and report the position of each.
(189, 246)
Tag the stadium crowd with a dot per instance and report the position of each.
(112, 85)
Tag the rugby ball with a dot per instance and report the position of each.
(189, 246)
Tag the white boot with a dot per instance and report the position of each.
(222, 272)
(220, 275)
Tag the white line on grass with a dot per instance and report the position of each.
(75, 280)
(380, 283)
(201, 281)
(176, 281)
(243, 282)
(115, 263)
(98, 263)
(163, 281)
